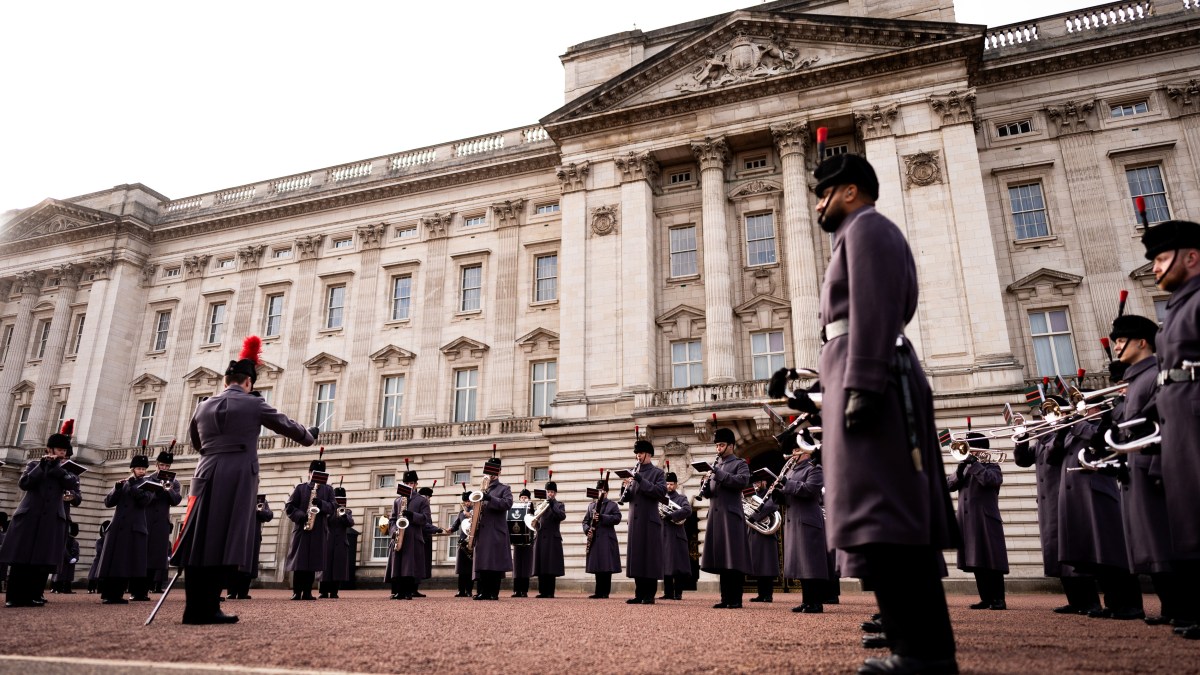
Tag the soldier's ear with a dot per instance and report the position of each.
(851, 193)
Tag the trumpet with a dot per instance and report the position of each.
(67, 496)
(342, 511)
(960, 450)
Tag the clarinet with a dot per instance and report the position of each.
(591, 533)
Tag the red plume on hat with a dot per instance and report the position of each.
(251, 348)
(68, 428)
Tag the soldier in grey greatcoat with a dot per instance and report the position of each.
(431, 529)
(1174, 249)
(218, 533)
(603, 557)
(677, 556)
(338, 557)
(408, 563)
(92, 576)
(644, 554)
(982, 551)
(548, 545)
(306, 553)
(764, 548)
(726, 550)
(522, 555)
(37, 535)
(158, 522)
(888, 507)
(805, 556)
(239, 582)
(124, 556)
(463, 565)
(492, 555)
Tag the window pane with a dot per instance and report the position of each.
(679, 376)
(1058, 321)
(1044, 353)
(1064, 354)
(1037, 323)
(401, 297)
(697, 374)
(758, 343)
(678, 352)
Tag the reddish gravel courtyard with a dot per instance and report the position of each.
(366, 632)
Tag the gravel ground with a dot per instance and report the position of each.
(367, 633)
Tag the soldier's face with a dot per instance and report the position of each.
(670, 486)
(1130, 351)
(722, 449)
(551, 494)
(643, 457)
(57, 453)
(162, 467)
(831, 210)
(139, 471)
(1172, 268)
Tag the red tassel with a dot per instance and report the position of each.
(435, 482)
(251, 347)
(68, 428)
(968, 424)
(321, 453)
(143, 445)
(822, 136)
(172, 445)
(550, 473)
(1121, 303)
(406, 467)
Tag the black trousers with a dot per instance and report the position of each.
(1187, 573)
(489, 583)
(239, 584)
(603, 584)
(1121, 589)
(520, 585)
(139, 587)
(991, 586)
(732, 583)
(673, 586)
(546, 584)
(465, 582)
(1081, 592)
(26, 582)
(202, 588)
(302, 582)
(766, 587)
(328, 587)
(912, 602)
(813, 591)
(113, 588)
(1166, 587)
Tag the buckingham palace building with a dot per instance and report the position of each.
(638, 261)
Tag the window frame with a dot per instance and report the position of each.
(1130, 103)
(22, 425)
(160, 333)
(1158, 165)
(774, 238)
(377, 538)
(474, 220)
(463, 288)
(214, 330)
(694, 251)
(43, 340)
(470, 390)
(267, 315)
(1003, 129)
(1050, 335)
(547, 209)
(340, 314)
(538, 278)
(397, 401)
(548, 385)
(6, 335)
(772, 364)
(395, 298)
(145, 423)
(690, 364)
(77, 334)
(327, 405)
(1013, 213)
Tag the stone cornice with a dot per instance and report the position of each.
(1149, 40)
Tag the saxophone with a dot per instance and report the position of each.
(477, 511)
(401, 525)
(313, 509)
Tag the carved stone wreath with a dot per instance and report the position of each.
(923, 168)
(604, 220)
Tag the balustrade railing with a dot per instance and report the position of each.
(475, 146)
(350, 171)
(702, 394)
(236, 195)
(1078, 24)
(290, 184)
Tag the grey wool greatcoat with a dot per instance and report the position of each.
(1143, 501)
(875, 493)
(1040, 453)
(158, 523)
(37, 534)
(677, 556)
(126, 539)
(492, 550)
(462, 560)
(644, 553)
(93, 571)
(725, 544)
(804, 550)
(260, 517)
(1089, 511)
(430, 530)
(764, 549)
(548, 544)
(982, 546)
(220, 526)
(409, 561)
(1179, 414)
(307, 550)
(604, 555)
(337, 547)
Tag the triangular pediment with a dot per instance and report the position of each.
(763, 312)
(681, 323)
(202, 373)
(146, 380)
(748, 54)
(325, 361)
(22, 387)
(1144, 271)
(1045, 280)
(464, 346)
(768, 302)
(392, 353)
(533, 338)
(53, 216)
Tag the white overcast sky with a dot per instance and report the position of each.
(188, 97)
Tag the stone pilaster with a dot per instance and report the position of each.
(368, 299)
(800, 245)
(29, 286)
(96, 332)
(572, 381)
(40, 414)
(1185, 105)
(502, 318)
(638, 246)
(169, 421)
(713, 155)
(244, 321)
(432, 315)
(304, 325)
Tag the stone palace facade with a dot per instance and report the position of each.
(644, 257)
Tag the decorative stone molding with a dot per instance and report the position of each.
(149, 270)
(29, 283)
(1186, 96)
(637, 166)
(681, 323)
(703, 429)
(194, 265)
(922, 169)
(438, 224)
(876, 122)
(22, 393)
(325, 362)
(1145, 276)
(268, 371)
(1045, 282)
(1071, 117)
(675, 447)
(100, 268)
(455, 348)
(571, 177)
(790, 137)
(955, 107)
(6, 288)
(251, 255)
(148, 384)
(604, 219)
(309, 246)
(509, 212)
(534, 339)
(203, 377)
(757, 186)
(763, 312)
(744, 60)
(762, 281)
(59, 393)
(68, 275)
(712, 153)
(392, 354)
(371, 236)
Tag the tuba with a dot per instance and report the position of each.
(667, 510)
(535, 520)
(750, 504)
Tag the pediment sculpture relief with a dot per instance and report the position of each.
(746, 59)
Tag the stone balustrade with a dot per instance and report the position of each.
(702, 395)
(241, 194)
(475, 146)
(1078, 24)
(291, 184)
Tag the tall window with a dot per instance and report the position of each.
(216, 322)
(43, 337)
(1028, 210)
(1051, 331)
(401, 297)
(686, 367)
(760, 239)
(472, 287)
(22, 423)
(544, 387)
(6, 342)
(683, 251)
(162, 323)
(335, 305)
(266, 395)
(547, 277)
(380, 539)
(323, 414)
(1160, 310)
(1147, 182)
(466, 389)
(274, 319)
(767, 349)
(393, 399)
(145, 421)
(62, 415)
(78, 339)
(452, 540)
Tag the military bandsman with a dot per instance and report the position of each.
(548, 562)
(677, 558)
(123, 564)
(603, 556)
(726, 549)
(644, 553)
(490, 550)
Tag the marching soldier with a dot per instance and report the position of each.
(726, 549)
(463, 566)
(491, 554)
(677, 558)
(336, 569)
(218, 534)
(547, 545)
(522, 557)
(239, 582)
(158, 520)
(93, 571)
(764, 548)
(1174, 249)
(888, 508)
(804, 549)
(602, 554)
(309, 508)
(430, 530)
(124, 559)
(644, 555)
(65, 577)
(982, 550)
(408, 561)
(36, 536)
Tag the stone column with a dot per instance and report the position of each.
(639, 339)
(250, 259)
(501, 365)
(29, 285)
(1185, 104)
(292, 383)
(427, 374)
(366, 304)
(571, 399)
(168, 419)
(99, 328)
(713, 155)
(40, 415)
(800, 251)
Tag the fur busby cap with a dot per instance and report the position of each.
(139, 461)
(165, 457)
(248, 361)
(551, 485)
(1134, 327)
(1170, 236)
(466, 496)
(978, 441)
(316, 465)
(73, 529)
(425, 492)
(602, 485)
(525, 493)
(724, 435)
(642, 445)
(339, 491)
(846, 169)
(410, 476)
(63, 438)
(104, 526)
(492, 467)
(672, 478)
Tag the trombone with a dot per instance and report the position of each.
(960, 450)
(1138, 444)
(1080, 411)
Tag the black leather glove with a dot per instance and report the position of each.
(777, 387)
(816, 457)
(314, 431)
(862, 408)
(1116, 371)
(971, 459)
(407, 514)
(962, 467)
(487, 497)
(782, 481)
(777, 496)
